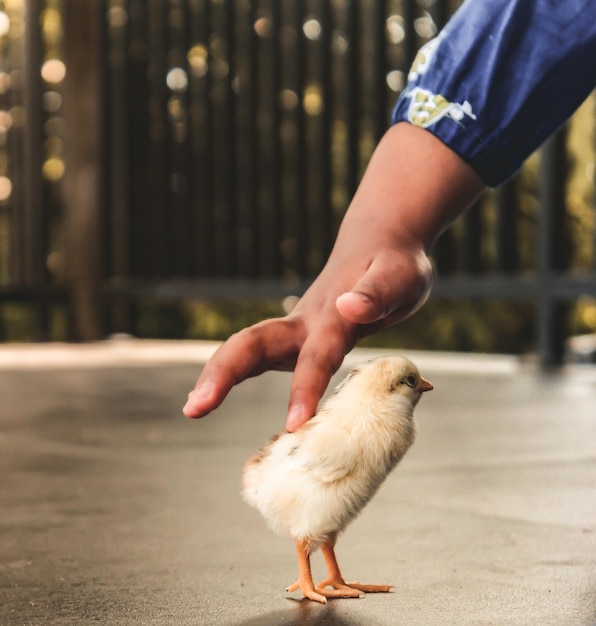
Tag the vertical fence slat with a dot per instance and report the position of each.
(201, 171)
(118, 219)
(271, 257)
(253, 224)
(230, 138)
(410, 44)
(352, 96)
(163, 243)
(300, 217)
(17, 245)
(379, 69)
(35, 223)
(81, 203)
(507, 260)
(262, 229)
(472, 240)
(324, 208)
(551, 242)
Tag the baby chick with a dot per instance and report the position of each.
(310, 484)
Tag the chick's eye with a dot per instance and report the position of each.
(411, 380)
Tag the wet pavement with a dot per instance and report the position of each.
(115, 509)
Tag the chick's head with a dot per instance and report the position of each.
(402, 377)
(386, 379)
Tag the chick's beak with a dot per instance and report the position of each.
(424, 385)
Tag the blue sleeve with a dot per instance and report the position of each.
(501, 77)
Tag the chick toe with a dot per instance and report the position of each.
(340, 589)
(372, 588)
(320, 594)
(311, 594)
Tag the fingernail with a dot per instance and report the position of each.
(357, 307)
(197, 395)
(353, 303)
(295, 418)
(202, 392)
(355, 296)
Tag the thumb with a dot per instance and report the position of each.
(363, 304)
(390, 285)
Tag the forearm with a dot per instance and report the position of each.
(413, 189)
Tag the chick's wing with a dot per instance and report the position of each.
(326, 451)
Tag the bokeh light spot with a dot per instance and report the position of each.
(5, 121)
(4, 82)
(53, 71)
(313, 100)
(5, 188)
(52, 101)
(117, 17)
(197, 59)
(53, 169)
(588, 315)
(4, 24)
(264, 27)
(51, 23)
(288, 100)
(177, 79)
(395, 29)
(339, 43)
(425, 27)
(312, 29)
(289, 303)
(395, 80)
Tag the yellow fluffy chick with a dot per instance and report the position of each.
(310, 484)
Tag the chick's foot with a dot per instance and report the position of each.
(320, 594)
(305, 581)
(335, 578)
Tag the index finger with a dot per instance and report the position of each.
(318, 361)
(273, 344)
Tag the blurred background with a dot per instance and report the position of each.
(179, 169)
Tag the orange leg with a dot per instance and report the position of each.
(336, 580)
(305, 581)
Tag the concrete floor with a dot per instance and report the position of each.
(115, 509)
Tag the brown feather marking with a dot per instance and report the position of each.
(264, 452)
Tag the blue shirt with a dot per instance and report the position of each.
(501, 77)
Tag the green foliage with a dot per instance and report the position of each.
(463, 326)
(18, 323)
(442, 324)
(200, 320)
